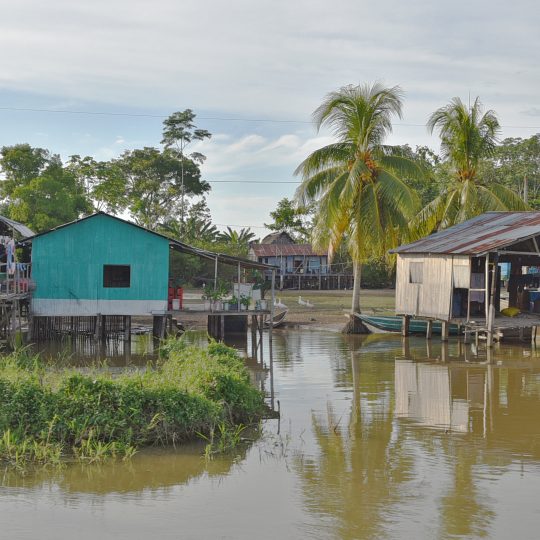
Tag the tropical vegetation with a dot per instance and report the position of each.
(48, 413)
(356, 182)
(468, 138)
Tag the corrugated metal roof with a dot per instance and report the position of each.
(174, 244)
(479, 235)
(279, 250)
(23, 230)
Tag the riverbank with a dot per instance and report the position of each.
(48, 414)
(328, 308)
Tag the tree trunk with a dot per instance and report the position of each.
(355, 325)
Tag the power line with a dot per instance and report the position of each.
(213, 118)
(253, 182)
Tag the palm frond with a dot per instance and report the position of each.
(508, 197)
(329, 156)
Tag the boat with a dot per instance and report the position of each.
(277, 320)
(395, 323)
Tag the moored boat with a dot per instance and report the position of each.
(395, 323)
(277, 320)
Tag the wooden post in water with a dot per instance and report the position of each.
(272, 308)
(127, 327)
(254, 336)
(429, 329)
(491, 310)
(405, 325)
(444, 330)
(222, 328)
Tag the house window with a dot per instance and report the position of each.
(116, 275)
(416, 272)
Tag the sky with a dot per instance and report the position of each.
(253, 72)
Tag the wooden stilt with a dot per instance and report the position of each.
(444, 331)
(405, 325)
(127, 328)
(429, 329)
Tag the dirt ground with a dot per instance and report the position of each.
(327, 310)
(331, 307)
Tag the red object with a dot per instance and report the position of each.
(180, 296)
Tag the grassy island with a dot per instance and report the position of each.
(49, 414)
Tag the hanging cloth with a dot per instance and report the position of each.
(10, 249)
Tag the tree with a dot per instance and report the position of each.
(240, 238)
(196, 229)
(290, 218)
(356, 181)
(103, 182)
(468, 137)
(38, 190)
(21, 164)
(516, 164)
(156, 182)
(179, 131)
(48, 200)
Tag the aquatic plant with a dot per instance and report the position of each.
(48, 413)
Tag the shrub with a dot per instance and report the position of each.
(189, 393)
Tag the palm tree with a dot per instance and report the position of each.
(468, 136)
(356, 181)
(240, 238)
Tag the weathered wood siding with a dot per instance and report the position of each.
(433, 296)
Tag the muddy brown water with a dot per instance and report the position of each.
(378, 438)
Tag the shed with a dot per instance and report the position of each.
(99, 264)
(449, 275)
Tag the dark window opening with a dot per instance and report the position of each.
(116, 275)
(416, 272)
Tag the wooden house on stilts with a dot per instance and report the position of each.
(455, 276)
(92, 275)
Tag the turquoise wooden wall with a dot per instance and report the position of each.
(68, 263)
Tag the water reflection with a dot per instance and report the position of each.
(380, 437)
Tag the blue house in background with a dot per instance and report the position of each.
(300, 266)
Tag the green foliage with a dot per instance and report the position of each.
(156, 182)
(468, 139)
(516, 161)
(357, 182)
(47, 413)
(240, 238)
(39, 191)
(291, 218)
(377, 273)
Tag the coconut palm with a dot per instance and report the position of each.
(356, 181)
(239, 238)
(468, 136)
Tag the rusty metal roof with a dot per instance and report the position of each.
(283, 250)
(477, 236)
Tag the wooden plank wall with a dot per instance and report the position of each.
(432, 298)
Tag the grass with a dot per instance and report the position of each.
(329, 307)
(49, 414)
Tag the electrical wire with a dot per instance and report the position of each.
(212, 118)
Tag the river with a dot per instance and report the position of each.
(379, 437)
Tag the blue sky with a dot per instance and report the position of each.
(265, 60)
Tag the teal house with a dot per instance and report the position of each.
(99, 264)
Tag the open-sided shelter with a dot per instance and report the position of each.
(448, 275)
